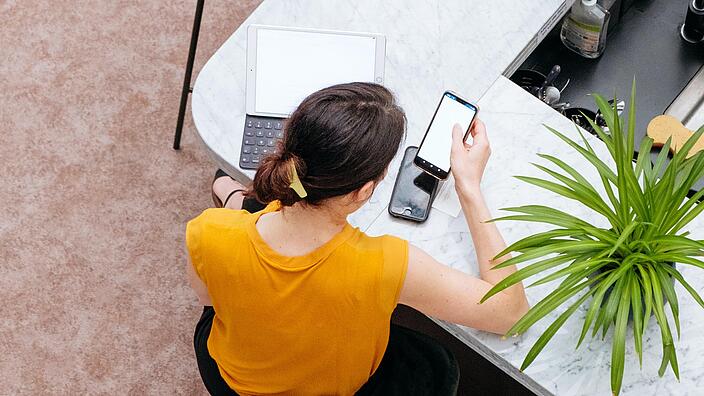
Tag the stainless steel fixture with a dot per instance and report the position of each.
(688, 106)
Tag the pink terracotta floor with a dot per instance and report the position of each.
(93, 200)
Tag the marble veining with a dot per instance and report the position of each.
(513, 119)
(431, 46)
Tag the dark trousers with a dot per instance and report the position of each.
(209, 371)
(413, 364)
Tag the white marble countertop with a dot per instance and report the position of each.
(430, 46)
(463, 45)
(514, 121)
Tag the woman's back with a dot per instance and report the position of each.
(318, 323)
(312, 324)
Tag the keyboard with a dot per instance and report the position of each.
(260, 138)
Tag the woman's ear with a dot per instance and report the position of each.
(365, 192)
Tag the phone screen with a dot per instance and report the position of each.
(435, 148)
(413, 191)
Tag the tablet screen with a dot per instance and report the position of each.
(292, 64)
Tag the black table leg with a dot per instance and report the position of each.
(189, 70)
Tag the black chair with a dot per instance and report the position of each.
(414, 364)
(189, 71)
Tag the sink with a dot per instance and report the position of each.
(645, 44)
(688, 106)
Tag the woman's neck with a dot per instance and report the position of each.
(322, 217)
(300, 229)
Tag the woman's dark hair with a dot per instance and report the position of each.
(339, 138)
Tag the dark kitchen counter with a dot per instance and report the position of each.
(645, 44)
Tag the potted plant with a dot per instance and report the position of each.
(627, 268)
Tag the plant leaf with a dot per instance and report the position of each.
(537, 240)
(637, 305)
(669, 291)
(678, 258)
(647, 294)
(665, 334)
(606, 113)
(643, 160)
(662, 155)
(687, 146)
(677, 275)
(676, 241)
(567, 168)
(551, 330)
(665, 360)
(594, 265)
(592, 158)
(602, 287)
(567, 289)
(683, 211)
(585, 195)
(689, 216)
(524, 273)
(624, 235)
(561, 247)
(550, 186)
(607, 314)
(618, 351)
(631, 119)
(601, 134)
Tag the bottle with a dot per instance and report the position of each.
(584, 29)
(693, 29)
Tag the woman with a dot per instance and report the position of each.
(301, 301)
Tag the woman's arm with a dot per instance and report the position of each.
(452, 295)
(468, 163)
(487, 243)
(222, 187)
(197, 285)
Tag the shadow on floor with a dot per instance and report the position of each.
(477, 375)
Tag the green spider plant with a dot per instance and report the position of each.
(626, 268)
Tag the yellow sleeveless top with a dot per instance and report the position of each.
(307, 325)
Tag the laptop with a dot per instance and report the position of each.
(284, 65)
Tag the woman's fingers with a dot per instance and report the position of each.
(457, 138)
(479, 132)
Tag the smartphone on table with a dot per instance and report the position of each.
(414, 190)
(434, 151)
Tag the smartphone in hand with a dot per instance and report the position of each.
(434, 151)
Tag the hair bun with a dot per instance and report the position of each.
(272, 181)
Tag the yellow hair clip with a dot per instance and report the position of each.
(296, 184)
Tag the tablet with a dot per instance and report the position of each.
(285, 64)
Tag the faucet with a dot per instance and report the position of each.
(692, 30)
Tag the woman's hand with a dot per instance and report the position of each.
(469, 160)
